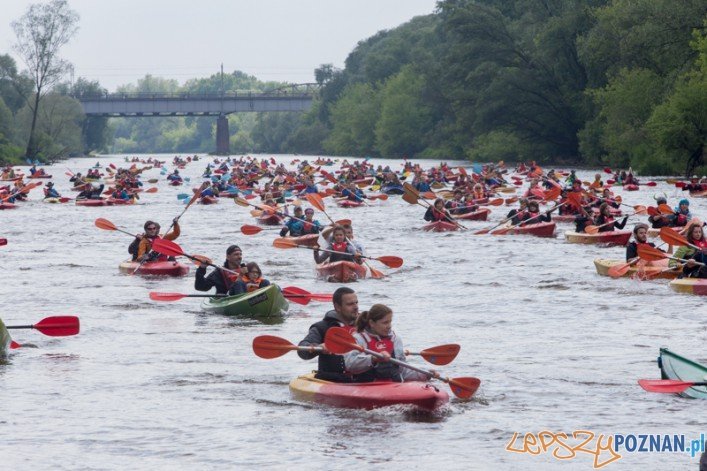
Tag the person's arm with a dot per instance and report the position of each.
(356, 362)
(264, 283)
(238, 288)
(631, 251)
(202, 282)
(142, 248)
(312, 339)
(174, 233)
(622, 224)
(428, 215)
(681, 252)
(320, 257)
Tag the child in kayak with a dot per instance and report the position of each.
(251, 281)
(338, 244)
(692, 269)
(374, 331)
(605, 219)
(437, 212)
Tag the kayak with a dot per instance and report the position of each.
(479, 215)
(270, 220)
(631, 187)
(698, 194)
(263, 302)
(392, 189)
(119, 201)
(367, 395)
(541, 229)
(676, 367)
(690, 286)
(341, 272)
(5, 340)
(167, 268)
(310, 240)
(440, 226)
(7, 206)
(349, 204)
(606, 238)
(208, 200)
(40, 176)
(564, 217)
(93, 203)
(603, 264)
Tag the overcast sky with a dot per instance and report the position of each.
(120, 41)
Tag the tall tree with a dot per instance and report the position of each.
(41, 32)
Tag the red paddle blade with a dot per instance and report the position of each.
(652, 211)
(651, 184)
(247, 229)
(665, 209)
(302, 299)
(617, 271)
(391, 261)
(281, 243)
(3, 242)
(155, 296)
(608, 170)
(58, 326)
(672, 237)
(442, 354)
(646, 252)
(14, 345)
(105, 224)
(495, 202)
(167, 247)
(269, 346)
(464, 388)
(664, 385)
(680, 184)
(338, 340)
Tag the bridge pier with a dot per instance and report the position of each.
(223, 146)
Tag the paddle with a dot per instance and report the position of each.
(617, 271)
(316, 201)
(339, 341)
(247, 229)
(390, 261)
(55, 326)
(595, 229)
(646, 252)
(672, 237)
(440, 355)
(412, 196)
(106, 225)
(292, 293)
(668, 386)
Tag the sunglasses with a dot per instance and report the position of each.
(153, 228)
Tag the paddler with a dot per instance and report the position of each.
(90, 192)
(605, 219)
(682, 213)
(659, 219)
(374, 332)
(50, 192)
(152, 232)
(532, 214)
(294, 226)
(252, 280)
(331, 367)
(338, 244)
(695, 235)
(220, 279)
(640, 235)
(436, 212)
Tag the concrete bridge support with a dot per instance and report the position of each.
(223, 146)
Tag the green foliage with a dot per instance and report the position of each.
(353, 119)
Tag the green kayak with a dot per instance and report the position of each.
(5, 340)
(261, 303)
(674, 366)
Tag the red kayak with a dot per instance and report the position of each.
(93, 203)
(270, 220)
(631, 187)
(368, 395)
(208, 200)
(310, 240)
(349, 204)
(119, 201)
(175, 182)
(341, 272)
(7, 206)
(479, 215)
(541, 229)
(440, 226)
(40, 176)
(155, 268)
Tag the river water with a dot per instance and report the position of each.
(149, 385)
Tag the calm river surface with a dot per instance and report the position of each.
(150, 385)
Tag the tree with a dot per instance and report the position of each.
(41, 32)
(353, 119)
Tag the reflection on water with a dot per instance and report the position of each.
(164, 385)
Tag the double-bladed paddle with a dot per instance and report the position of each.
(270, 346)
(55, 326)
(292, 293)
(339, 341)
(668, 386)
(390, 261)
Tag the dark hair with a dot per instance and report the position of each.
(150, 223)
(252, 265)
(375, 313)
(232, 249)
(691, 228)
(340, 292)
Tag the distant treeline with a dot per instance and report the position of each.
(575, 82)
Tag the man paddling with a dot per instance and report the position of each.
(220, 279)
(344, 314)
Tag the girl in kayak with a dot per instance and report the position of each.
(437, 212)
(338, 244)
(251, 281)
(605, 219)
(695, 266)
(374, 331)
(532, 214)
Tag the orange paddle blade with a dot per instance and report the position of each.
(464, 388)
(640, 209)
(495, 202)
(410, 198)
(269, 346)
(241, 202)
(428, 195)
(339, 341)
(665, 209)
(105, 224)
(316, 201)
(151, 190)
(391, 261)
(591, 229)
(247, 229)
(552, 194)
(441, 354)
(155, 296)
(281, 243)
(617, 271)
(672, 237)
(646, 252)
(375, 274)
(512, 200)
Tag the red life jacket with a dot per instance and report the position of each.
(382, 344)
(339, 247)
(438, 215)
